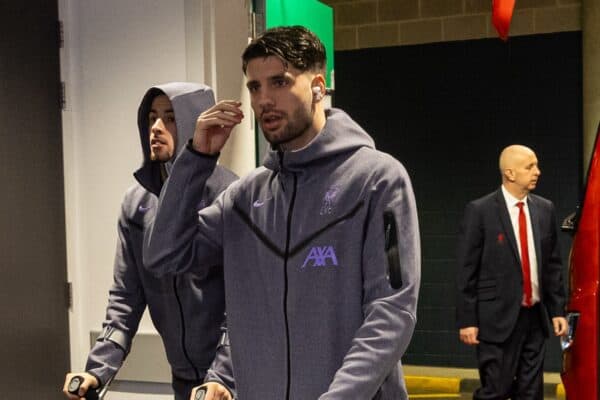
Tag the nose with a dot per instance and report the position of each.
(264, 100)
(157, 127)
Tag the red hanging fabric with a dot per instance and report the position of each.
(502, 11)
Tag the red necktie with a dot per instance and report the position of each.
(524, 256)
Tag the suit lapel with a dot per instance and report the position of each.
(506, 224)
(534, 213)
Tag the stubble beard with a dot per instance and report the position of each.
(295, 128)
(160, 157)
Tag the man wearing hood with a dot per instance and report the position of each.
(320, 247)
(188, 309)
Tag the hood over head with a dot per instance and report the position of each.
(189, 100)
(339, 135)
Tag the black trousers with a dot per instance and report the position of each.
(514, 369)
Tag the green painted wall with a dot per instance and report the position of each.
(312, 14)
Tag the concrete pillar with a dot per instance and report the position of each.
(223, 36)
(591, 75)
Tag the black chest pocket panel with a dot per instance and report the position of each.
(392, 250)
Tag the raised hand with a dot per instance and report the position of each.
(214, 126)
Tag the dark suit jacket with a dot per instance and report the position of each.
(490, 283)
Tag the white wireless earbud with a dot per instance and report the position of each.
(317, 92)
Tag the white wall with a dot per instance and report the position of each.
(114, 50)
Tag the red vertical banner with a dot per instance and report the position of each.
(502, 11)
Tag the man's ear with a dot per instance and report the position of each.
(318, 87)
(510, 174)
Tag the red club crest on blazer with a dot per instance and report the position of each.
(500, 238)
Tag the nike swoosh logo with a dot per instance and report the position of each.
(142, 208)
(258, 203)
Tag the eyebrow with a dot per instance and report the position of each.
(170, 110)
(282, 75)
(285, 75)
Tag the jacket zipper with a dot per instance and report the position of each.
(285, 288)
(392, 250)
(183, 346)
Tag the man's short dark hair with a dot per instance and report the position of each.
(294, 45)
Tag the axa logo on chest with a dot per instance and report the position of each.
(321, 256)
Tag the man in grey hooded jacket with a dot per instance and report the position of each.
(320, 247)
(187, 310)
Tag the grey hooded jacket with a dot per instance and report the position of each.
(321, 254)
(187, 310)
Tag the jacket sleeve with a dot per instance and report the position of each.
(469, 252)
(391, 267)
(221, 369)
(182, 237)
(126, 304)
(552, 272)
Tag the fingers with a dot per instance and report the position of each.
(193, 393)
(66, 388)
(557, 326)
(226, 113)
(68, 385)
(214, 126)
(214, 391)
(469, 339)
(560, 326)
(89, 381)
(469, 335)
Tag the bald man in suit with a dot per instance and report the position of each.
(510, 281)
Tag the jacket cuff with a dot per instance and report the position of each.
(190, 147)
(100, 382)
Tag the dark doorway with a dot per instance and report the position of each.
(446, 110)
(34, 355)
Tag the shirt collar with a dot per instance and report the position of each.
(511, 201)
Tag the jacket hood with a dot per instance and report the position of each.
(188, 101)
(339, 135)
